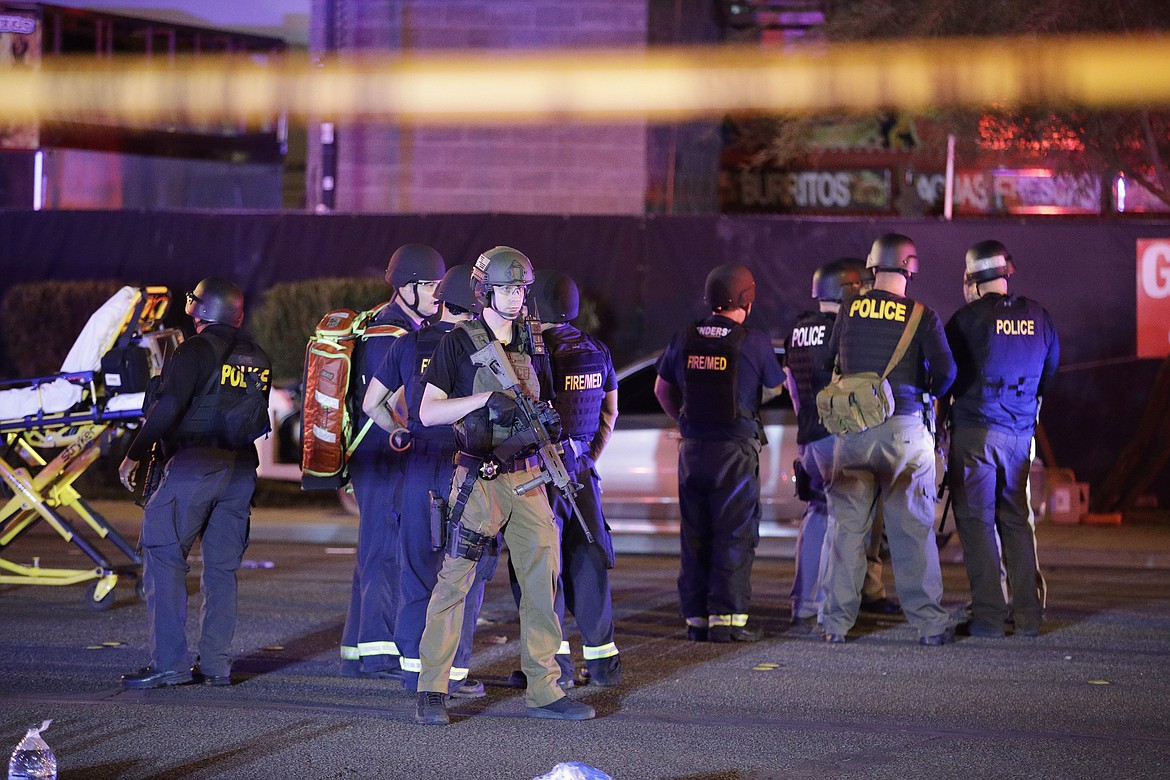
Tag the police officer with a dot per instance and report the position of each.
(429, 464)
(483, 496)
(712, 378)
(206, 491)
(891, 463)
(586, 399)
(1007, 352)
(805, 356)
(368, 648)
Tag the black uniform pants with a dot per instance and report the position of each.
(719, 498)
(205, 492)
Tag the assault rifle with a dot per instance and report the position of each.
(155, 466)
(535, 419)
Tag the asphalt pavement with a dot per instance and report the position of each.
(1087, 699)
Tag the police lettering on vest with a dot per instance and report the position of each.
(875, 309)
(231, 410)
(1015, 327)
(809, 336)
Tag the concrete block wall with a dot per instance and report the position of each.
(538, 169)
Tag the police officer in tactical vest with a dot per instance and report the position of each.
(1007, 352)
(586, 399)
(712, 378)
(429, 463)
(483, 498)
(211, 405)
(892, 462)
(805, 355)
(368, 647)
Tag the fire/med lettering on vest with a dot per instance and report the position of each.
(706, 363)
(582, 381)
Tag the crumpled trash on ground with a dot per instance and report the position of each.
(574, 770)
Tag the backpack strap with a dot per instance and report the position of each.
(907, 337)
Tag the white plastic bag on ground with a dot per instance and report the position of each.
(574, 771)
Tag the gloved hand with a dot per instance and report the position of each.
(552, 420)
(501, 409)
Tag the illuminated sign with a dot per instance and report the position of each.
(1014, 191)
(840, 191)
(1153, 297)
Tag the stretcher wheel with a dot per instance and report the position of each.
(140, 590)
(102, 605)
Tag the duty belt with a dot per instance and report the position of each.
(490, 468)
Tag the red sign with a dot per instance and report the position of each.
(1153, 297)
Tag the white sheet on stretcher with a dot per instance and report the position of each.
(98, 335)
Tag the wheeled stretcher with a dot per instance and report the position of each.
(55, 427)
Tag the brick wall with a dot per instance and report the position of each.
(549, 169)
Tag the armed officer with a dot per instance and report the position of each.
(711, 380)
(483, 493)
(428, 454)
(1007, 353)
(892, 462)
(805, 357)
(587, 402)
(212, 404)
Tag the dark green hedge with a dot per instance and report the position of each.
(40, 321)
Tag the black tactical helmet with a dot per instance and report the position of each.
(455, 289)
(988, 260)
(501, 265)
(832, 280)
(893, 252)
(729, 286)
(216, 300)
(414, 263)
(554, 296)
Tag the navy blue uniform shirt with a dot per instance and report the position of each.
(758, 368)
(1007, 351)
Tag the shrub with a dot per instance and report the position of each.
(290, 312)
(39, 322)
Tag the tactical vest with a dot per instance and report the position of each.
(1009, 347)
(426, 341)
(231, 409)
(475, 433)
(579, 370)
(807, 353)
(711, 375)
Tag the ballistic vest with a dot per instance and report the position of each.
(1001, 360)
(475, 433)
(579, 371)
(426, 341)
(231, 408)
(711, 374)
(807, 355)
